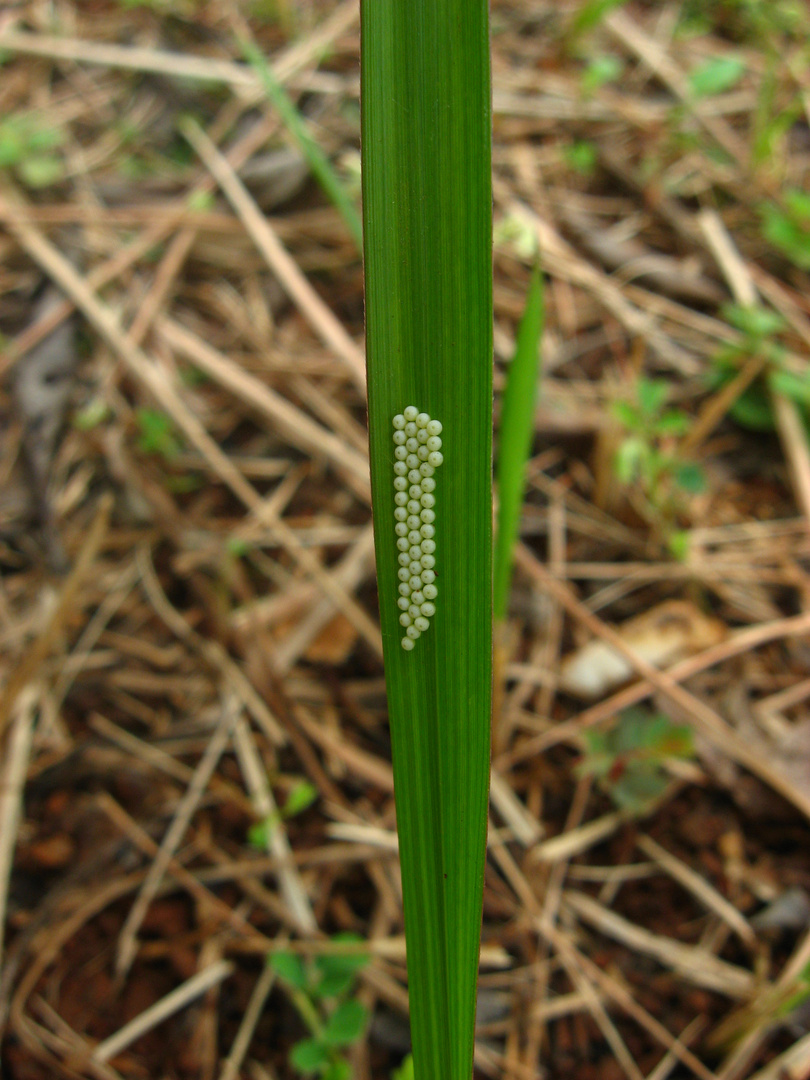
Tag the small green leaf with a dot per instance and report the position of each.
(795, 387)
(259, 833)
(237, 547)
(405, 1071)
(344, 961)
(637, 788)
(678, 543)
(338, 1070)
(338, 971)
(600, 70)
(302, 795)
(95, 412)
(309, 1055)
(333, 985)
(291, 968)
(798, 203)
(627, 463)
(589, 15)
(581, 156)
(752, 409)
(627, 414)
(40, 170)
(691, 477)
(345, 1025)
(716, 76)
(673, 422)
(652, 395)
(156, 434)
(790, 233)
(753, 321)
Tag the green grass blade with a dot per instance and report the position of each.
(515, 437)
(319, 163)
(425, 98)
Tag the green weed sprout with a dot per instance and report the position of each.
(28, 147)
(648, 459)
(760, 328)
(628, 760)
(300, 798)
(321, 992)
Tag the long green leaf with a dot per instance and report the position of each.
(515, 437)
(317, 160)
(428, 230)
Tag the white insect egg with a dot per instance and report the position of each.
(417, 453)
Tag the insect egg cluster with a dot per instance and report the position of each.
(417, 456)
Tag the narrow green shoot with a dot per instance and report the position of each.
(425, 97)
(515, 438)
(317, 160)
